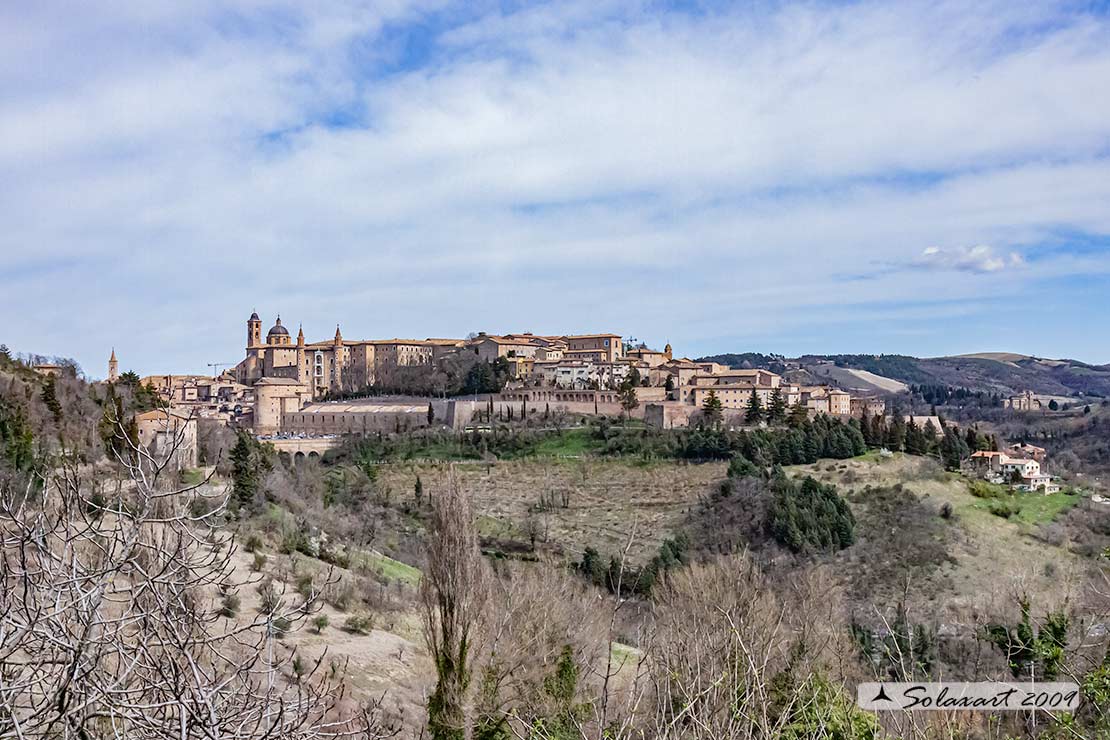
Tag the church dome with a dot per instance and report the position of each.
(278, 330)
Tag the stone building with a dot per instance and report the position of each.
(170, 436)
(1026, 401)
(333, 364)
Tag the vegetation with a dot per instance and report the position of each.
(809, 516)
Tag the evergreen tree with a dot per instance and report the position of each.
(915, 439)
(809, 516)
(713, 409)
(799, 415)
(776, 409)
(753, 413)
(248, 465)
(17, 441)
(669, 384)
(953, 449)
(627, 395)
(896, 434)
(50, 398)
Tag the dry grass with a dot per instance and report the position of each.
(604, 499)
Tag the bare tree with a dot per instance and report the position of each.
(109, 625)
(452, 593)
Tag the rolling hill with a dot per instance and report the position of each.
(991, 372)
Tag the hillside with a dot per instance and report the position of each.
(991, 372)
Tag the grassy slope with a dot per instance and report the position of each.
(995, 557)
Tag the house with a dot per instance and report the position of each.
(169, 436)
(1023, 402)
(869, 406)
(1024, 449)
(1022, 474)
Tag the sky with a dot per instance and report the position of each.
(924, 178)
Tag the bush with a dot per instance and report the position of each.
(1004, 509)
(305, 586)
(253, 542)
(321, 623)
(358, 624)
(279, 627)
(340, 594)
(229, 607)
(983, 489)
(269, 600)
(258, 563)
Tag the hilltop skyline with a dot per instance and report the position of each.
(924, 179)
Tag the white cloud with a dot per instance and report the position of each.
(979, 258)
(566, 165)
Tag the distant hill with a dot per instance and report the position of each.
(991, 372)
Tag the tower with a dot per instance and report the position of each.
(254, 331)
(113, 367)
(667, 351)
(302, 367)
(337, 360)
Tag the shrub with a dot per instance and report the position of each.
(321, 623)
(253, 542)
(279, 627)
(229, 607)
(305, 586)
(340, 594)
(1004, 509)
(269, 600)
(259, 562)
(358, 624)
(983, 489)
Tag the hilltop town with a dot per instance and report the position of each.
(288, 388)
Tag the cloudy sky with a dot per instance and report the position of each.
(917, 177)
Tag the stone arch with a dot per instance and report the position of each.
(314, 455)
(298, 457)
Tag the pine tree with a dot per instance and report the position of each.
(669, 384)
(776, 409)
(753, 414)
(244, 476)
(799, 415)
(50, 398)
(713, 409)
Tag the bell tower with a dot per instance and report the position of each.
(113, 367)
(254, 331)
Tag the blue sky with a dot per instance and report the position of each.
(919, 177)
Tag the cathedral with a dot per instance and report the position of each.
(333, 364)
(319, 366)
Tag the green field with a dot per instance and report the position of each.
(392, 569)
(568, 443)
(1031, 508)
